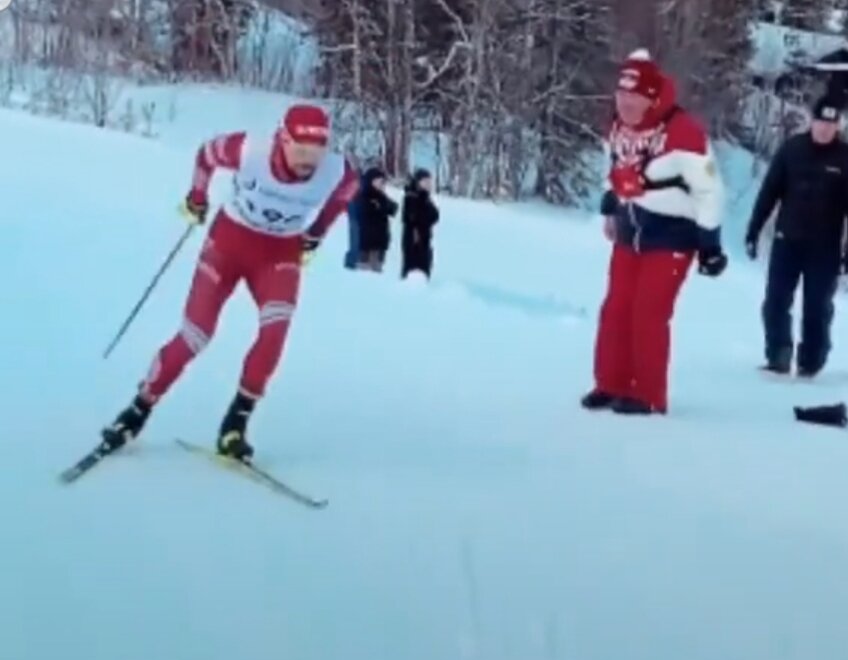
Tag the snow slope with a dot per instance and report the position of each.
(476, 511)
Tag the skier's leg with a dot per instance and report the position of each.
(660, 279)
(213, 282)
(613, 373)
(274, 287)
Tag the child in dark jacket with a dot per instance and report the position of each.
(373, 208)
(419, 216)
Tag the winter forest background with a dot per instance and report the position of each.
(511, 97)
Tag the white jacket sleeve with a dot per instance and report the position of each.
(701, 173)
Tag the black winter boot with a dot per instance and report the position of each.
(232, 438)
(779, 362)
(127, 425)
(597, 400)
(632, 407)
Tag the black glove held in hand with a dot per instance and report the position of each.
(712, 262)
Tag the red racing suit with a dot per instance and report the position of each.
(256, 237)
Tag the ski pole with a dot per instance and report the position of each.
(148, 291)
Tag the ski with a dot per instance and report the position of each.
(254, 473)
(86, 463)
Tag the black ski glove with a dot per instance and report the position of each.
(196, 207)
(833, 415)
(609, 203)
(711, 262)
(309, 245)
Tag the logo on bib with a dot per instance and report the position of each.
(273, 216)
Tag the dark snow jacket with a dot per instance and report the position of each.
(810, 182)
(372, 209)
(419, 217)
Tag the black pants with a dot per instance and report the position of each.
(818, 267)
(417, 254)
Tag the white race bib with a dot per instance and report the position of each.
(267, 205)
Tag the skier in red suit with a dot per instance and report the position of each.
(662, 212)
(287, 192)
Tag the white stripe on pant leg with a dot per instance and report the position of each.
(281, 305)
(193, 336)
(249, 394)
(154, 371)
(275, 311)
(209, 271)
(274, 318)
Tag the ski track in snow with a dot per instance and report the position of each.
(476, 512)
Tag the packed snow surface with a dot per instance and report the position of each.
(476, 512)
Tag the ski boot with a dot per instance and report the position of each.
(127, 425)
(232, 438)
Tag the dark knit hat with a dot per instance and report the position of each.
(420, 174)
(372, 174)
(826, 109)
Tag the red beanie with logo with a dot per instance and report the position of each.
(307, 124)
(641, 75)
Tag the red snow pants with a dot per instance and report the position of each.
(633, 345)
(272, 276)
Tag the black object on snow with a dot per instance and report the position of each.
(832, 415)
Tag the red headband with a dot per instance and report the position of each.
(307, 124)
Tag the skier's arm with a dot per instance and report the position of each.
(222, 151)
(771, 191)
(335, 204)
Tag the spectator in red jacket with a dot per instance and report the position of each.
(662, 212)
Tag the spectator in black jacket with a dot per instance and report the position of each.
(419, 216)
(809, 179)
(373, 209)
